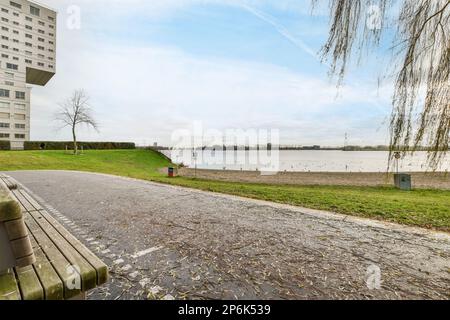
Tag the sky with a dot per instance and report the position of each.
(152, 67)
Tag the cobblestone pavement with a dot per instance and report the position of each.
(164, 242)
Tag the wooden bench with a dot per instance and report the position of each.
(62, 268)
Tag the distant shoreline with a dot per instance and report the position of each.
(242, 148)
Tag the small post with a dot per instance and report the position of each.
(194, 156)
(397, 160)
(402, 180)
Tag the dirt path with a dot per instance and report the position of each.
(163, 242)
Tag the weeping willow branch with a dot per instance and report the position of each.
(421, 101)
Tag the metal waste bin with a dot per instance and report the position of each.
(403, 181)
(171, 172)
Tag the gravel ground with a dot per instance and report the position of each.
(430, 180)
(164, 242)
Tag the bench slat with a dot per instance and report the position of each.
(29, 284)
(56, 250)
(9, 182)
(100, 268)
(51, 283)
(96, 263)
(26, 205)
(9, 289)
(30, 199)
(87, 272)
(55, 257)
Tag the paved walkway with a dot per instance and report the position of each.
(164, 242)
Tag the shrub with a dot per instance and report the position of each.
(62, 145)
(5, 145)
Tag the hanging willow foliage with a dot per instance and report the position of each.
(421, 64)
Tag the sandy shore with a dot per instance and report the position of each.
(420, 180)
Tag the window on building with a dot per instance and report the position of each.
(16, 58)
(5, 38)
(12, 66)
(20, 117)
(41, 48)
(4, 105)
(28, 53)
(4, 115)
(4, 135)
(28, 44)
(15, 23)
(9, 83)
(20, 106)
(15, 41)
(28, 61)
(5, 29)
(51, 18)
(28, 27)
(41, 39)
(15, 14)
(35, 11)
(50, 66)
(41, 31)
(19, 136)
(5, 10)
(15, 4)
(4, 93)
(9, 75)
(15, 32)
(15, 49)
(40, 64)
(41, 23)
(4, 125)
(5, 47)
(51, 26)
(5, 20)
(20, 95)
(27, 35)
(28, 19)
(5, 56)
(19, 126)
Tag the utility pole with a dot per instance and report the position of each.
(346, 141)
(194, 157)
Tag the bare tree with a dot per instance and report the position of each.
(421, 64)
(76, 111)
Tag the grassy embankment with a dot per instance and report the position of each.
(424, 208)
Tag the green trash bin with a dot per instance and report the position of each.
(403, 181)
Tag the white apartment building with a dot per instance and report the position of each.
(27, 56)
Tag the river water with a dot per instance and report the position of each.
(301, 161)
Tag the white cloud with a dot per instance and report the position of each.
(144, 93)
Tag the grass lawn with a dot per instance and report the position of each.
(424, 208)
